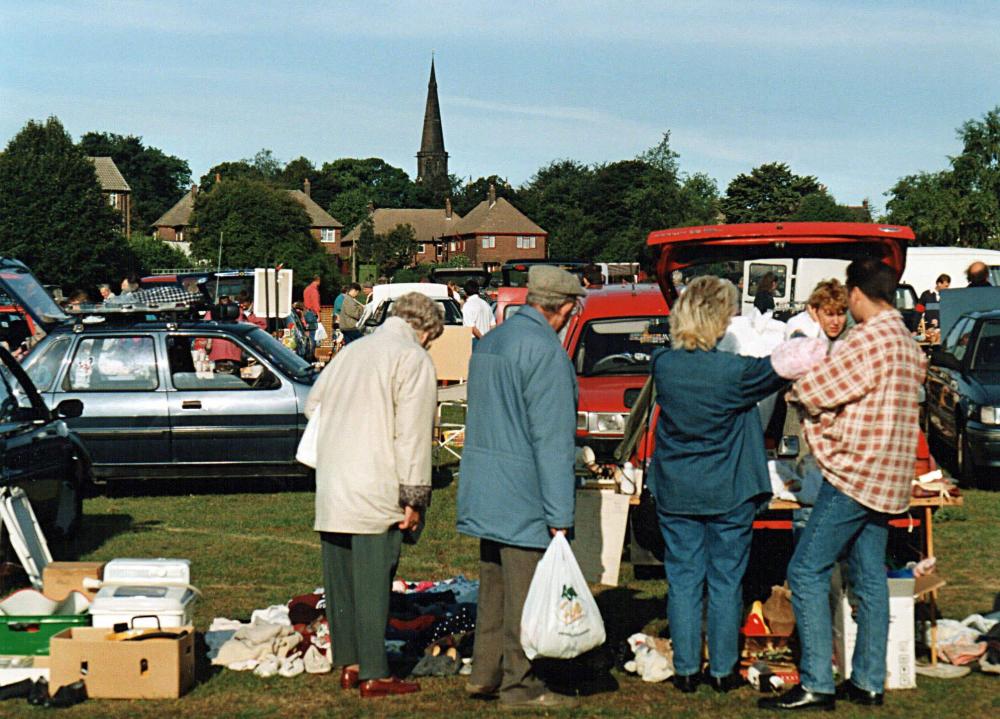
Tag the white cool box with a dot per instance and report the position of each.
(145, 593)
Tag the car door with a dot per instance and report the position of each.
(944, 383)
(232, 413)
(125, 424)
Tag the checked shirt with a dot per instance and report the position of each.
(862, 415)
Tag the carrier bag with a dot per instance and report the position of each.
(560, 618)
(306, 452)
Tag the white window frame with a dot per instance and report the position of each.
(421, 248)
(489, 242)
(328, 234)
(113, 199)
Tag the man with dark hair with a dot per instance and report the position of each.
(861, 423)
(350, 313)
(978, 275)
(476, 312)
(931, 301)
(592, 277)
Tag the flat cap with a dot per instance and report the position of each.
(550, 280)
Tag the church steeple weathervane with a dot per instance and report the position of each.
(432, 160)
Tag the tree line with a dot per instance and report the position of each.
(51, 215)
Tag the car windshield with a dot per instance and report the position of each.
(987, 357)
(279, 355)
(621, 346)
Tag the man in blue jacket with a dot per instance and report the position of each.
(517, 487)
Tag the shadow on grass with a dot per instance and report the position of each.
(95, 531)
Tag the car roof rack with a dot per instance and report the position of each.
(95, 313)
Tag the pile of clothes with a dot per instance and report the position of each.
(430, 632)
(974, 639)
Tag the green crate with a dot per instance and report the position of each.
(24, 635)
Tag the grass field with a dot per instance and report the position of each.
(250, 549)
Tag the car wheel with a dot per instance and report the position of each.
(964, 467)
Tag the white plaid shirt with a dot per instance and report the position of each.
(862, 414)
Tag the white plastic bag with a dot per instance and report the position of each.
(321, 332)
(560, 618)
(306, 452)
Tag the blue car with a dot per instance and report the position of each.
(963, 395)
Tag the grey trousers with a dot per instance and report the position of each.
(498, 660)
(357, 575)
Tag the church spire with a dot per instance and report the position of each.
(432, 160)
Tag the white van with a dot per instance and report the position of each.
(925, 264)
(795, 280)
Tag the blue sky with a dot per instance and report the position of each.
(856, 93)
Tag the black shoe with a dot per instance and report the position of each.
(727, 683)
(687, 684)
(798, 698)
(39, 693)
(856, 695)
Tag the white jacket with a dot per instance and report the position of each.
(377, 401)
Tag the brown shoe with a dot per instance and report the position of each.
(349, 678)
(479, 690)
(387, 687)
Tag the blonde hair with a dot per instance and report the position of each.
(829, 294)
(701, 315)
(421, 312)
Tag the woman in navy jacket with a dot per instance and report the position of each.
(709, 476)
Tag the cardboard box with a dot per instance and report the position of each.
(900, 659)
(150, 669)
(61, 578)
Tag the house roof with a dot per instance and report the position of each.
(318, 217)
(428, 225)
(500, 218)
(180, 214)
(108, 176)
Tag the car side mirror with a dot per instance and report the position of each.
(945, 359)
(69, 408)
(789, 446)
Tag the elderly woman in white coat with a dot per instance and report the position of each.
(376, 402)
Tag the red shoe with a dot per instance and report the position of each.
(349, 678)
(387, 687)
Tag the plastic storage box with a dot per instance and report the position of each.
(145, 593)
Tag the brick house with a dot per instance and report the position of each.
(114, 188)
(493, 232)
(430, 226)
(175, 224)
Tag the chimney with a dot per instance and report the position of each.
(447, 207)
(218, 178)
(492, 197)
(371, 207)
(306, 187)
(194, 189)
(864, 203)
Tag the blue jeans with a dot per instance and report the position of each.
(838, 526)
(713, 548)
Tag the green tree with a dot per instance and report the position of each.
(157, 179)
(928, 203)
(976, 177)
(471, 194)
(150, 253)
(259, 226)
(770, 193)
(389, 251)
(52, 214)
(296, 172)
(821, 207)
(346, 186)
(239, 170)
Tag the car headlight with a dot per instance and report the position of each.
(989, 415)
(609, 423)
(581, 420)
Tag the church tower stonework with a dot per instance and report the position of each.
(432, 160)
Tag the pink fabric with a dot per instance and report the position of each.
(794, 358)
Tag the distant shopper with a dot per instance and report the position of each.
(931, 300)
(350, 313)
(518, 486)
(338, 303)
(763, 300)
(106, 293)
(709, 477)
(130, 284)
(373, 480)
(677, 277)
(825, 314)
(476, 312)
(864, 419)
(592, 278)
(310, 296)
(978, 275)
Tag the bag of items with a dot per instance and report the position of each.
(560, 618)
